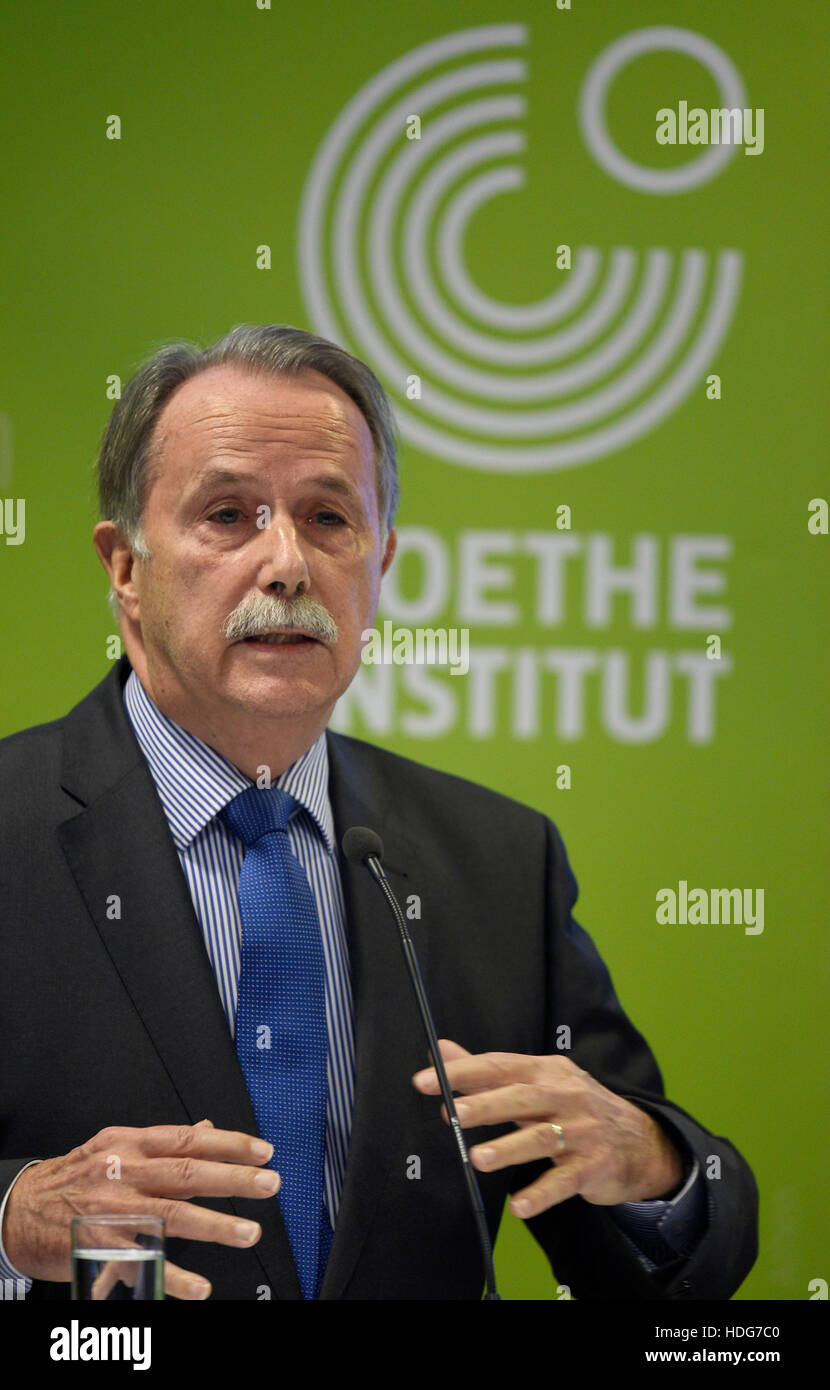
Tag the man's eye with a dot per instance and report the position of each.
(233, 512)
(329, 518)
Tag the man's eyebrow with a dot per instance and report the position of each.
(214, 477)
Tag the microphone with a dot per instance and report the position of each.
(364, 846)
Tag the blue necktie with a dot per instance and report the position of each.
(281, 1035)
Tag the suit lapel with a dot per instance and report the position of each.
(388, 1031)
(119, 843)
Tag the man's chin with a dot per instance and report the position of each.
(281, 697)
(279, 682)
(281, 694)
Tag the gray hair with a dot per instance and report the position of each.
(126, 463)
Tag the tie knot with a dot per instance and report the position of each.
(256, 811)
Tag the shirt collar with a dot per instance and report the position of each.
(194, 782)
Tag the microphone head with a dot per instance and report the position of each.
(360, 843)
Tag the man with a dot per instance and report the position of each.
(175, 983)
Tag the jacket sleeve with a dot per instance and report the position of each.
(587, 1249)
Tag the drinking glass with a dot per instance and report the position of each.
(117, 1257)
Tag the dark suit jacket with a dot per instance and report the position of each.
(118, 1022)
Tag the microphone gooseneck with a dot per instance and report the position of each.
(364, 846)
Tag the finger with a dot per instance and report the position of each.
(450, 1051)
(517, 1103)
(178, 1282)
(483, 1072)
(202, 1140)
(195, 1177)
(556, 1185)
(526, 1145)
(112, 1273)
(187, 1221)
(205, 1141)
(181, 1283)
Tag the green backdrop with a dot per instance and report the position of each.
(251, 134)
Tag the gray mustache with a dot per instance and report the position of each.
(256, 615)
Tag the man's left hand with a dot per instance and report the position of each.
(610, 1150)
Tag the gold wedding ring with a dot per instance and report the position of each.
(560, 1136)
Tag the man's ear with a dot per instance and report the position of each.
(389, 552)
(117, 558)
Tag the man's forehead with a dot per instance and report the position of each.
(228, 404)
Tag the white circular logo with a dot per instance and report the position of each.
(592, 108)
(618, 339)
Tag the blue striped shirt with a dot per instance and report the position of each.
(194, 783)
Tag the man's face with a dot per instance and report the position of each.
(228, 445)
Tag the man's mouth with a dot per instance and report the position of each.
(276, 639)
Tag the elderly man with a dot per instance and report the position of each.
(194, 981)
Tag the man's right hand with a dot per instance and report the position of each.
(160, 1168)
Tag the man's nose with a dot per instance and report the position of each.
(285, 569)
